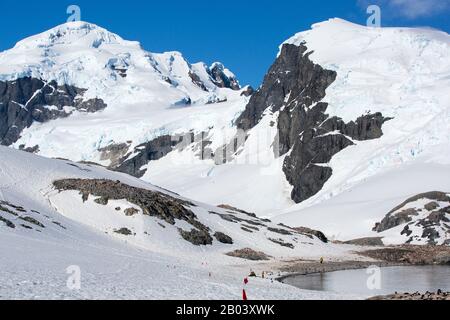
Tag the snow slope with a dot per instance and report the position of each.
(160, 265)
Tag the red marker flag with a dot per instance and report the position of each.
(244, 294)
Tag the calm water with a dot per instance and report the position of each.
(391, 279)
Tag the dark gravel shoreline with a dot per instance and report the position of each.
(301, 268)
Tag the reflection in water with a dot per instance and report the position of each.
(393, 279)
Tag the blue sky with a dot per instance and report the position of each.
(244, 35)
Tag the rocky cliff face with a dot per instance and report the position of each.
(28, 100)
(150, 151)
(296, 88)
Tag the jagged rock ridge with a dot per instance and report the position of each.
(295, 88)
(28, 100)
(424, 217)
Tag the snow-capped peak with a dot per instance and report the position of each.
(124, 76)
(74, 33)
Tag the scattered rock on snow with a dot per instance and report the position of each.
(131, 212)
(124, 231)
(223, 238)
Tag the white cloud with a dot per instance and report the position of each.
(410, 9)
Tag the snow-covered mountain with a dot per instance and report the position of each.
(77, 67)
(358, 120)
(349, 122)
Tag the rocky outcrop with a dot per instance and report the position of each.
(197, 237)
(221, 78)
(233, 209)
(152, 203)
(114, 153)
(7, 222)
(417, 296)
(316, 233)
(248, 91)
(218, 75)
(249, 254)
(295, 87)
(369, 241)
(150, 151)
(223, 238)
(28, 100)
(428, 222)
(282, 243)
(124, 232)
(411, 254)
(15, 213)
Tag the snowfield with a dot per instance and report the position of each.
(159, 265)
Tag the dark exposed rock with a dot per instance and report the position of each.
(114, 153)
(124, 231)
(34, 149)
(318, 234)
(246, 229)
(417, 296)
(226, 217)
(282, 243)
(197, 81)
(197, 237)
(370, 241)
(7, 222)
(131, 212)
(150, 151)
(59, 224)
(223, 238)
(236, 219)
(410, 254)
(291, 73)
(102, 201)
(431, 206)
(228, 207)
(433, 221)
(4, 208)
(250, 227)
(248, 92)
(27, 100)
(279, 231)
(32, 221)
(222, 80)
(217, 75)
(249, 254)
(394, 220)
(406, 231)
(295, 87)
(433, 195)
(306, 166)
